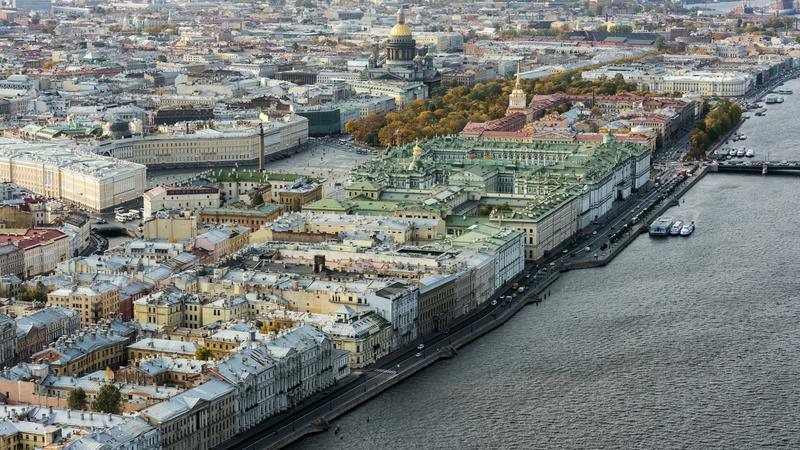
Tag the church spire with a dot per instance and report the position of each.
(401, 15)
(516, 86)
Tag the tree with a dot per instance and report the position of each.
(76, 399)
(258, 199)
(108, 399)
(203, 354)
(162, 58)
(659, 43)
(40, 292)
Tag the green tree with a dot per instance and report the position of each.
(203, 354)
(40, 292)
(659, 43)
(162, 58)
(258, 199)
(108, 399)
(76, 399)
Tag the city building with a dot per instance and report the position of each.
(180, 198)
(12, 260)
(198, 419)
(88, 351)
(8, 341)
(80, 178)
(42, 248)
(94, 303)
(366, 336)
(210, 146)
(37, 330)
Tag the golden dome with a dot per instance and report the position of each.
(400, 30)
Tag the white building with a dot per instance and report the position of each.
(82, 178)
(397, 303)
(252, 371)
(664, 81)
(181, 197)
(210, 145)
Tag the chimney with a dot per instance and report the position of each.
(261, 147)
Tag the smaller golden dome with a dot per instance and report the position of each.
(108, 374)
(417, 150)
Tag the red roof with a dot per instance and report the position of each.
(33, 237)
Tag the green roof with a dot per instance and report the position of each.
(456, 221)
(284, 176)
(325, 204)
(263, 210)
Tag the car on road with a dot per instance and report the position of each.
(101, 221)
(494, 302)
(418, 355)
(420, 346)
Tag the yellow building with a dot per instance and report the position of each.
(170, 227)
(24, 435)
(155, 348)
(367, 336)
(94, 303)
(83, 353)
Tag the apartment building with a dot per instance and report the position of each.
(42, 248)
(198, 419)
(93, 303)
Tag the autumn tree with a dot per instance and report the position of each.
(203, 353)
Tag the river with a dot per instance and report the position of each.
(678, 343)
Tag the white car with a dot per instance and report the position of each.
(494, 302)
(420, 346)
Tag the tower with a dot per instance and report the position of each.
(401, 47)
(517, 102)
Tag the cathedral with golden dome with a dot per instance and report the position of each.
(402, 60)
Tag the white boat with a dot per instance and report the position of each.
(687, 229)
(732, 152)
(740, 152)
(676, 227)
(742, 137)
(771, 99)
(750, 153)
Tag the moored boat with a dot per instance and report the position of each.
(687, 229)
(750, 153)
(675, 229)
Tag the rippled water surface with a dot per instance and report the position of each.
(679, 343)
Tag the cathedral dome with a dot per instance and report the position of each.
(401, 29)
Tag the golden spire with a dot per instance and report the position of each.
(516, 86)
(417, 150)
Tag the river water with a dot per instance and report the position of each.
(678, 343)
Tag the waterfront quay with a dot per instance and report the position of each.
(316, 414)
